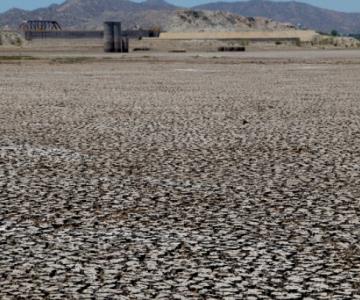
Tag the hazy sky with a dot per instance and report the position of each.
(343, 5)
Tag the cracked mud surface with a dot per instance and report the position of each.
(179, 181)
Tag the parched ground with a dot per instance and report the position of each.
(184, 179)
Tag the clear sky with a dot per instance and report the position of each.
(342, 5)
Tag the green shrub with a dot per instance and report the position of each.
(334, 32)
(18, 41)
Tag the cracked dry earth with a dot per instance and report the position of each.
(179, 181)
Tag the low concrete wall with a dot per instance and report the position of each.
(302, 35)
(66, 45)
(32, 35)
(208, 45)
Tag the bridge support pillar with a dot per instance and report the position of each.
(113, 39)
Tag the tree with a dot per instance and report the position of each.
(334, 32)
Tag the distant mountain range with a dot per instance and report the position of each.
(89, 14)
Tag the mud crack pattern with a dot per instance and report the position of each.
(141, 181)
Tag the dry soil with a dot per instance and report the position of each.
(185, 178)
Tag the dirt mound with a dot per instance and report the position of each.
(191, 21)
(8, 38)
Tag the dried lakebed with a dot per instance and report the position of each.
(146, 180)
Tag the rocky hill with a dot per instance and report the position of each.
(8, 38)
(89, 14)
(193, 20)
(293, 12)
